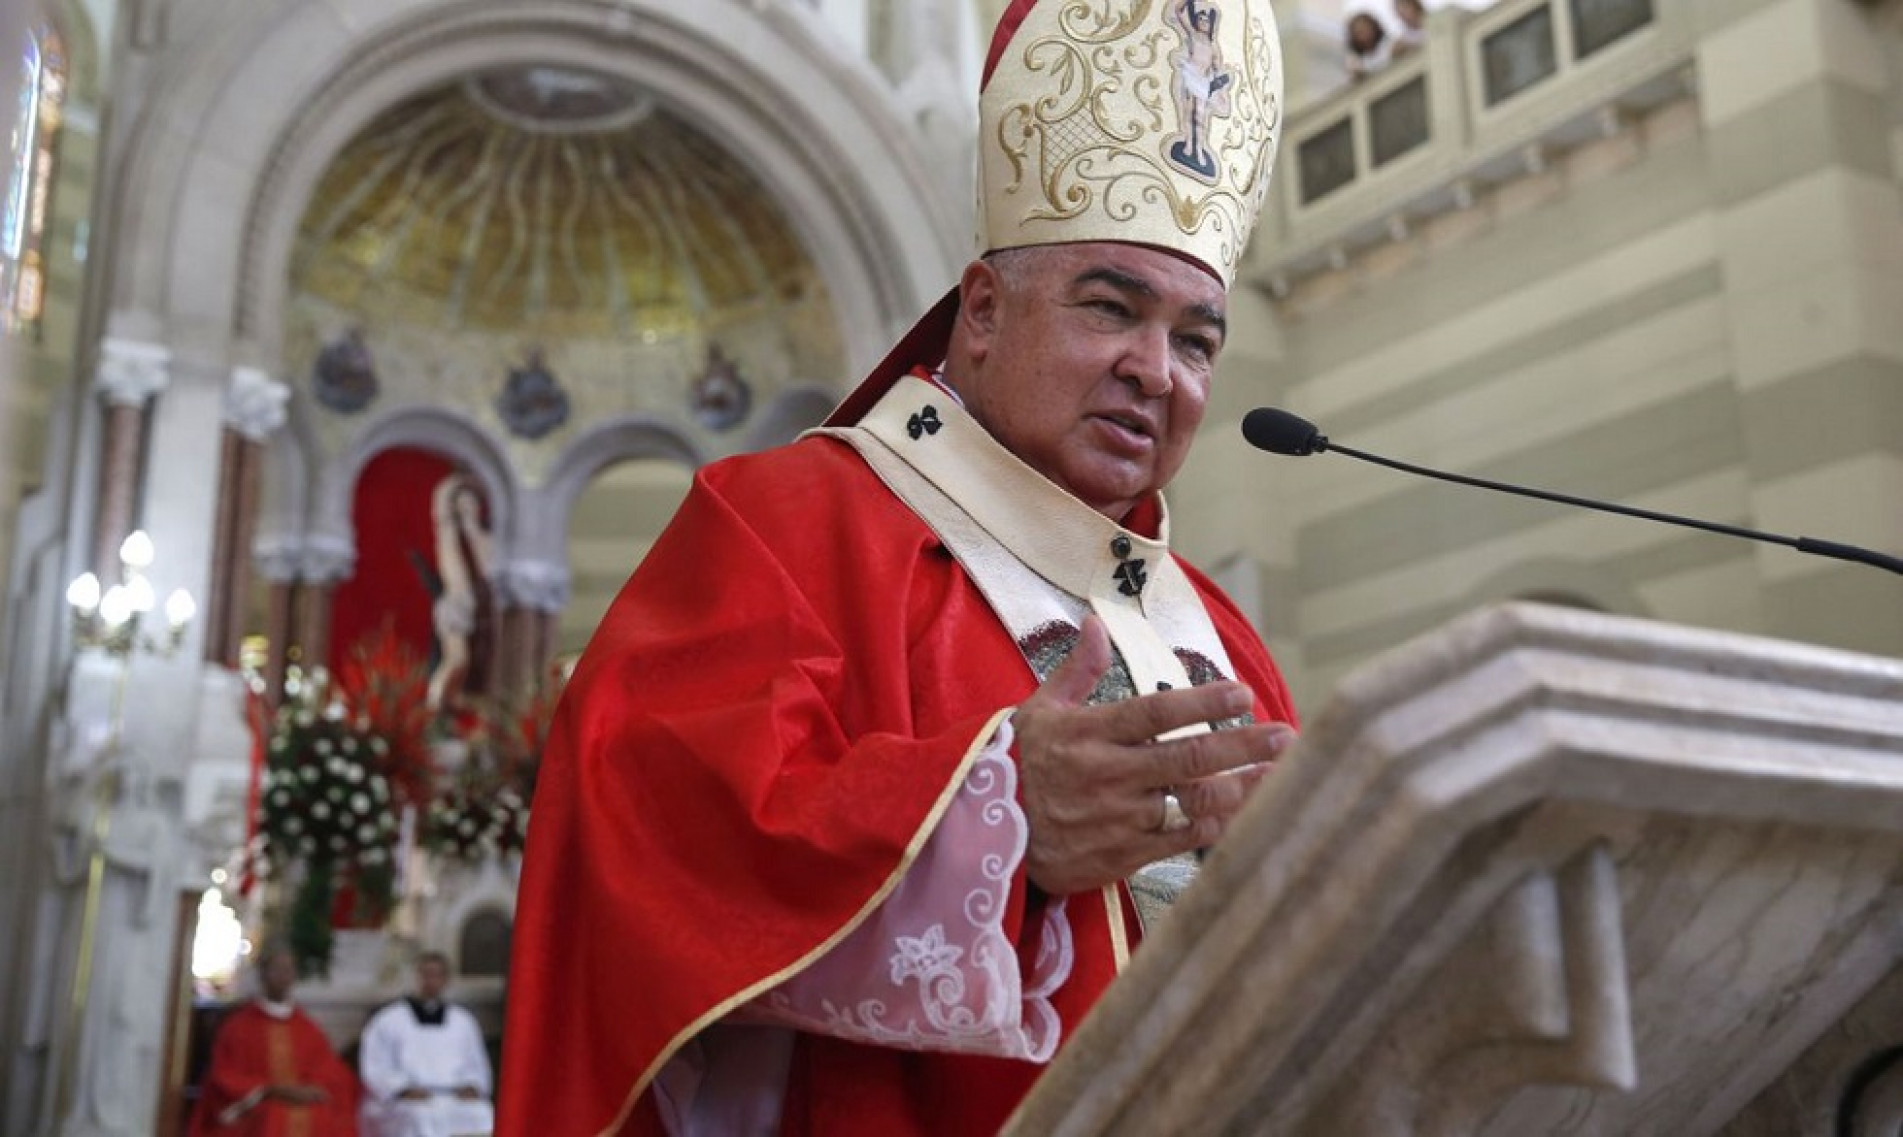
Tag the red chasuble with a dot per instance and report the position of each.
(760, 738)
(254, 1050)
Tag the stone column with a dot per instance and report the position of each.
(254, 410)
(327, 561)
(214, 613)
(130, 374)
(277, 560)
(516, 641)
(130, 831)
(547, 625)
(1808, 229)
(533, 595)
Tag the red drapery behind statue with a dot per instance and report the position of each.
(391, 515)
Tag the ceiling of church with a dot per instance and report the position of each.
(550, 203)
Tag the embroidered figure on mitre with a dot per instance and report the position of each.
(1201, 86)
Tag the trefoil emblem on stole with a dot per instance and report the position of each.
(1131, 578)
(923, 423)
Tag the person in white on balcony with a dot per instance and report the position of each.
(1410, 27)
(1369, 49)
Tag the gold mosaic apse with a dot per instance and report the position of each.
(551, 203)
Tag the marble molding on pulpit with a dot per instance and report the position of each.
(1543, 871)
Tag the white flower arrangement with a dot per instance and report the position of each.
(322, 795)
(473, 826)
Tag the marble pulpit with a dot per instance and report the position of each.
(1542, 872)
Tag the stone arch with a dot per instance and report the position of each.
(796, 409)
(271, 103)
(628, 439)
(468, 891)
(447, 432)
(482, 943)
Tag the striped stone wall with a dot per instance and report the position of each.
(1700, 311)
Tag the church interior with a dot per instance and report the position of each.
(355, 351)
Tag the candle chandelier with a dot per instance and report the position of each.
(113, 617)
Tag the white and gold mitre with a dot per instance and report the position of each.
(1147, 121)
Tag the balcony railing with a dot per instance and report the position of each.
(1488, 89)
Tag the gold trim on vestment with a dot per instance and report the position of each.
(1119, 932)
(279, 1046)
(754, 990)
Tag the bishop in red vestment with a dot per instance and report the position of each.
(847, 812)
(273, 1072)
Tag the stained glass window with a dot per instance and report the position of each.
(29, 180)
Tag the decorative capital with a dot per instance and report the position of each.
(255, 403)
(536, 585)
(131, 372)
(327, 559)
(278, 558)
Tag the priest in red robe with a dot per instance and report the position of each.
(864, 789)
(273, 1072)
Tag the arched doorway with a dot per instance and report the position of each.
(612, 525)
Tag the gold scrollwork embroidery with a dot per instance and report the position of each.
(1092, 23)
(1079, 145)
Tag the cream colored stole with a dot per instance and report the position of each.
(1042, 559)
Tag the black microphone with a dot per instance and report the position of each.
(1279, 432)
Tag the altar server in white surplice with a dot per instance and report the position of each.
(425, 1071)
